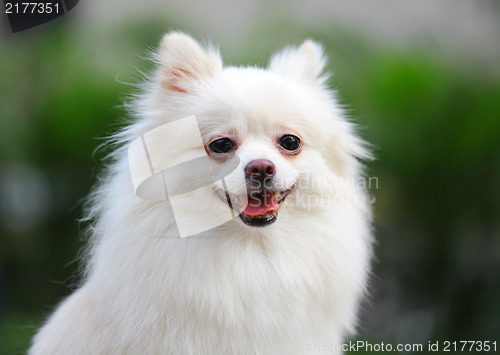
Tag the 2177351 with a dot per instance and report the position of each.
(470, 345)
(32, 8)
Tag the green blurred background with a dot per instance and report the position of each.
(422, 79)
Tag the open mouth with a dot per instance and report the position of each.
(262, 206)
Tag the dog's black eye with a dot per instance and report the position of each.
(290, 142)
(221, 145)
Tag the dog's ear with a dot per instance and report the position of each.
(305, 63)
(183, 62)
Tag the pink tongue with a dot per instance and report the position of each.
(260, 204)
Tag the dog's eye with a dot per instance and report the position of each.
(290, 142)
(221, 145)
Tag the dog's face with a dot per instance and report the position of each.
(281, 125)
(268, 177)
(252, 128)
(264, 121)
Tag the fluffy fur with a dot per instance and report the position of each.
(277, 289)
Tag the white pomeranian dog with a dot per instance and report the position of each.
(284, 274)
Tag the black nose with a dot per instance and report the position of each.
(260, 170)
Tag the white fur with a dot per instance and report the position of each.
(278, 289)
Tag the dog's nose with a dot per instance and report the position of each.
(260, 170)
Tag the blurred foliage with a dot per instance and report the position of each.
(433, 119)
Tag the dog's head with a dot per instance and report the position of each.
(281, 124)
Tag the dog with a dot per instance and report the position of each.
(288, 269)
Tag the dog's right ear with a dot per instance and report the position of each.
(305, 63)
(183, 62)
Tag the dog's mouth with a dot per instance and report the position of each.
(261, 208)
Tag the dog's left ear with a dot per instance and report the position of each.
(305, 63)
(183, 62)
